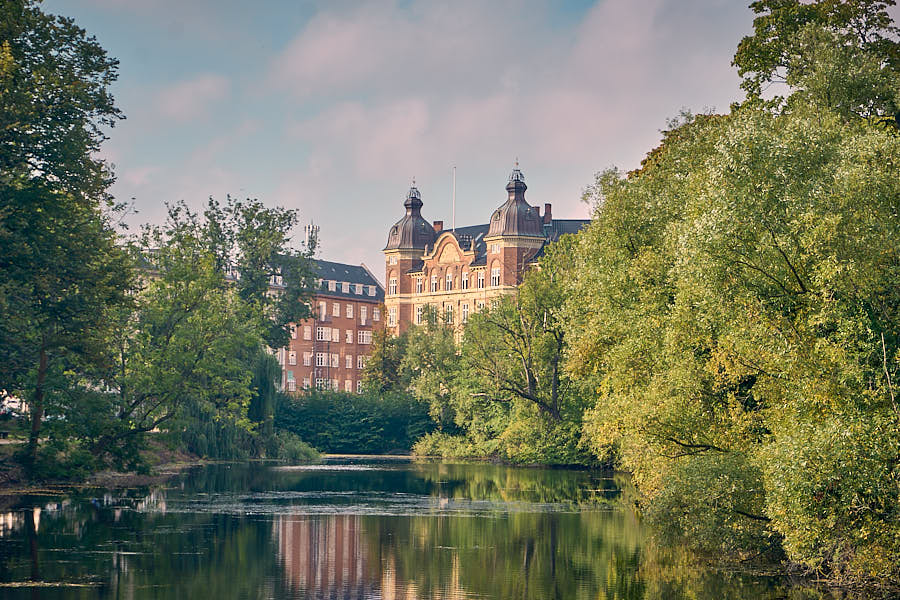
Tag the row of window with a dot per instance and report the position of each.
(348, 312)
(326, 359)
(448, 313)
(448, 282)
(345, 287)
(333, 334)
(324, 384)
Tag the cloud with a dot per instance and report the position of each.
(191, 99)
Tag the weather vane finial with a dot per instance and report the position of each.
(517, 162)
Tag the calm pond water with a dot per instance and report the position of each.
(353, 528)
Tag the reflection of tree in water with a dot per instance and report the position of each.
(524, 534)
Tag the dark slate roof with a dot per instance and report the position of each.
(352, 274)
(557, 228)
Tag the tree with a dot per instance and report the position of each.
(61, 268)
(382, 373)
(845, 53)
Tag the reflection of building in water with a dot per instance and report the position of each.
(325, 557)
(328, 557)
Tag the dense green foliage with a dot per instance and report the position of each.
(354, 423)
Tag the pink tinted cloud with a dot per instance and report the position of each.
(192, 99)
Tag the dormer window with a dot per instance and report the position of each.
(371, 290)
(332, 285)
(345, 287)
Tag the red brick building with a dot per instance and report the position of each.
(458, 271)
(329, 350)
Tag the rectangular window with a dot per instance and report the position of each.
(323, 311)
(349, 311)
(365, 337)
(392, 260)
(292, 358)
(292, 385)
(376, 314)
(307, 332)
(359, 387)
(371, 290)
(392, 286)
(480, 280)
(363, 315)
(307, 359)
(349, 338)
(449, 283)
(323, 334)
(392, 316)
(321, 359)
(464, 282)
(335, 384)
(336, 309)
(345, 287)
(434, 283)
(332, 285)
(293, 331)
(419, 310)
(358, 291)
(335, 335)
(348, 386)
(321, 384)
(290, 375)
(480, 305)
(348, 361)
(449, 314)
(465, 313)
(360, 362)
(495, 276)
(306, 383)
(419, 285)
(335, 360)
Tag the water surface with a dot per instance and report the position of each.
(354, 528)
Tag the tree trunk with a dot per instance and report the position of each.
(37, 408)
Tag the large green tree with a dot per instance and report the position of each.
(737, 316)
(61, 269)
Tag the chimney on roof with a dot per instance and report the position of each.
(548, 216)
(438, 226)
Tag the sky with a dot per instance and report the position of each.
(333, 107)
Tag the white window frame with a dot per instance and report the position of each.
(348, 311)
(363, 314)
(323, 334)
(465, 312)
(321, 359)
(495, 276)
(364, 337)
(392, 286)
(335, 309)
(480, 280)
(348, 361)
(464, 282)
(307, 332)
(420, 285)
